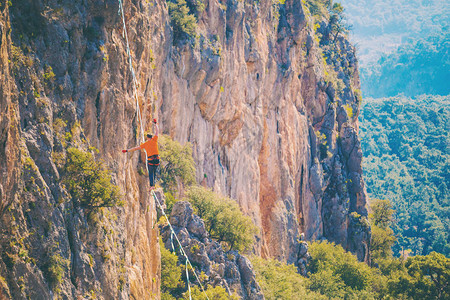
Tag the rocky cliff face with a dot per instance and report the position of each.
(253, 95)
(268, 125)
(64, 83)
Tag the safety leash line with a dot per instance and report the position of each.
(181, 247)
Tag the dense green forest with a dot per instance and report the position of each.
(406, 149)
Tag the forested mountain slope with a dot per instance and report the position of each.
(406, 160)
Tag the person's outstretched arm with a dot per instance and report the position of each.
(131, 149)
(156, 127)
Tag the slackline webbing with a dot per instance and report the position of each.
(139, 119)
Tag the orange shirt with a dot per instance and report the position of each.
(151, 146)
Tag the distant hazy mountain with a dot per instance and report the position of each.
(403, 46)
(420, 67)
(380, 26)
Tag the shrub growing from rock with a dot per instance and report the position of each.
(216, 293)
(177, 165)
(55, 268)
(223, 218)
(183, 23)
(171, 284)
(88, 181)
(281, 281)
(174, 287)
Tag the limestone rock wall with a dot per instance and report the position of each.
(65, 82)
(268, 127)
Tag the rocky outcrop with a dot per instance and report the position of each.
(303, 259)
(230, 270)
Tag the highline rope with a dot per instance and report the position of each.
(139, 119)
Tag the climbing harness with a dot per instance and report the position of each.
(139, 119)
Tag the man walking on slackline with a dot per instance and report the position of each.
(151, 148)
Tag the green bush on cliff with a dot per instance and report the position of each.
(183, 23)
(333, 11)
(281, 281)
(337, 273)
(88, 181)
(177, 165)
(223, 218)
(216, 293)
(318, 7)
(54, 269)
(19, 59)
(171, 284)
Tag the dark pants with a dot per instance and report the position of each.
(152, 174)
